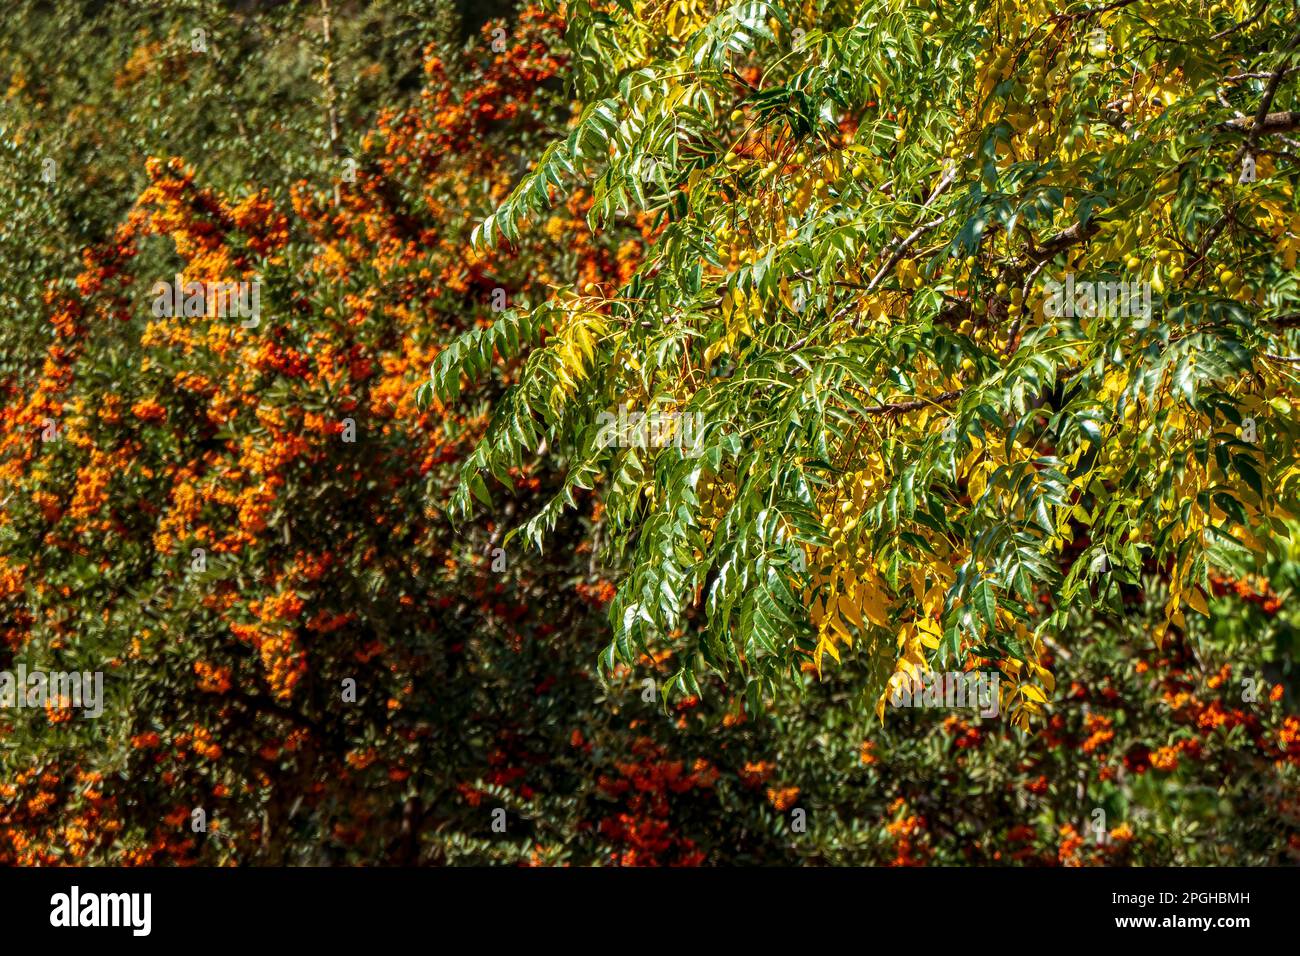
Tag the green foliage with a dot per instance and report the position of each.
(860, 214)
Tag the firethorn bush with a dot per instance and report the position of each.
(261, 531)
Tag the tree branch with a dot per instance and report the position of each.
(1266, 125)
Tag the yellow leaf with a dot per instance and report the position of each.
(876, 606)
(849, 609)
(1033, 693)
(837, 625)
(1196, 601)
(817, 613)
(929, 632)
(918, 583)
(828, 647)
(933, 600)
